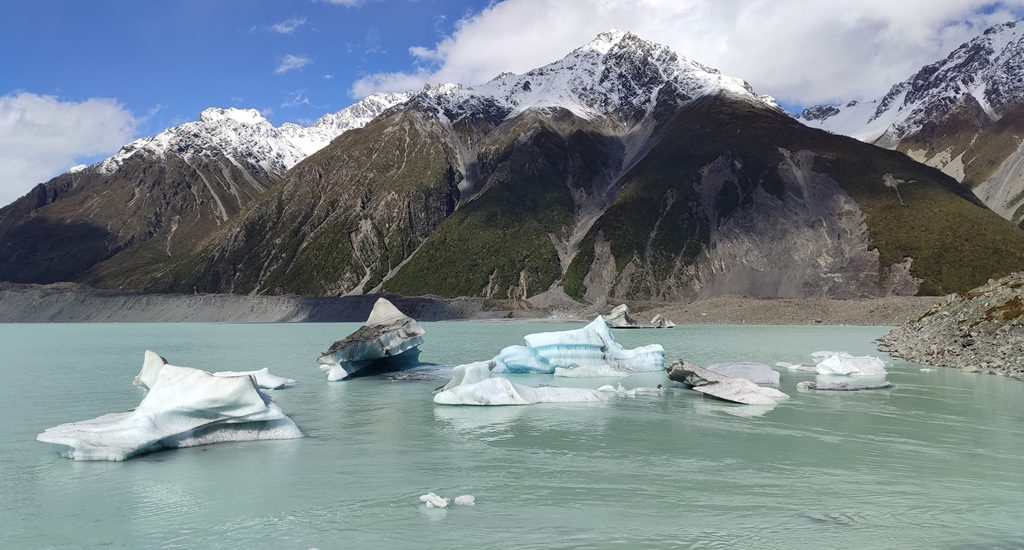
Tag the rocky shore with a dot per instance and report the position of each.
(977, 331)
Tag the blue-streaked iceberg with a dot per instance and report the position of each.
(184, 407)
(473, 384)
(388, 341)
(263, 378)
(591, 348)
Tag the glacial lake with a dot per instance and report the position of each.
(935, 462)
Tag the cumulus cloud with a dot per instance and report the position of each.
(289, 25)
(292, 62)
(799, 51)
(42, 136)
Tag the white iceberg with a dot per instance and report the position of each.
(621, 391)
(434, 501)
(473, 384)
(620, 318)
(591, 371)
(465, 500)
(758, 373)
(591, 347)
(660, 321)
(263, 378)
(184, 407)
(842, 363)
(389, 340)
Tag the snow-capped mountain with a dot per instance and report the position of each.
(617, 75)
(127, 216)
(245, 133)
(622, 170)
(953, 114)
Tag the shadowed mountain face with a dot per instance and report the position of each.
(963, 114)
(622, 170)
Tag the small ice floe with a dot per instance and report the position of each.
(465, 500)
(758, 373)
(264, 379)
(795, 367)
(927, 370)
(590, 347)
(434, 501)
(388, 341)
(726, 388)
(660, 321)
(621, 391)
(473, 384)
(842, 363)
(830, 385)
(184, 407)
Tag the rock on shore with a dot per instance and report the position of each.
(979, 331)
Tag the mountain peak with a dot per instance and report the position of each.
(604, 42)
(245, 116)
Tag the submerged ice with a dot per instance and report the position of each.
(184, 407)
(591, 348)
(388, 341)
(473, 384)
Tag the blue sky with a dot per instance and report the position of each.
(78, 78)
(168, 60)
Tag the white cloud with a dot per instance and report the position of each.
(289, 25)
(291, 62)
(296, 99)
(797, 50)
(348, 3)
(42, 136)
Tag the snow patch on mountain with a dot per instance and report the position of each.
(246, 133)
(988, 68)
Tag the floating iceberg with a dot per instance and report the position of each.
(799, 367)
(472, 384)
(621, 391)
(660, 321)
(465, 500)
(620, 318)
(842, 363)
(434, 501)
(184, 407)
(388, 341)
(737, 390)
(153, 363)
(807, 385)
(591, 371)
(758, 373)
(592, 347)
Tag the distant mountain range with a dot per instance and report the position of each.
(963, 114)
(623, 170)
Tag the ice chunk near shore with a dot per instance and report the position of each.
(152, 364)
(592, 347)
(473, 384)
(842, 363)
(389, 340)
(620, 318)
(758, 373)
(660, 321)
(726, 388)
(184, 407)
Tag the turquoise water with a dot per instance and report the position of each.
(935, 462)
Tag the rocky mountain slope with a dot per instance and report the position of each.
(963, 114)
(981, 331)
(623, 170)
(118, 222)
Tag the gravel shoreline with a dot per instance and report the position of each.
(76, 304)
